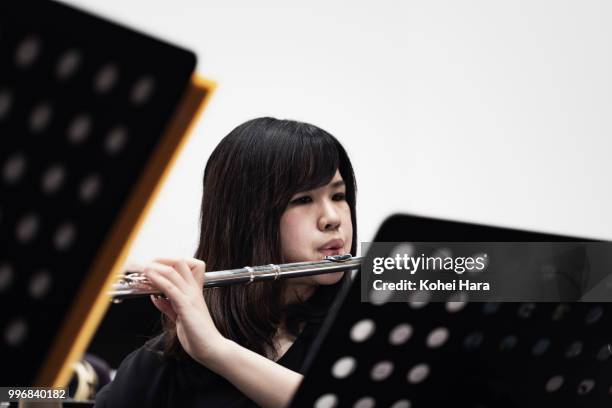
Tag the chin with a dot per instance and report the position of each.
(328, 278)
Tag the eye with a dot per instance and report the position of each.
(301, 200)
(339, 197)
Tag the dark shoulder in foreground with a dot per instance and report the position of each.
(146, 378)
(140, 379)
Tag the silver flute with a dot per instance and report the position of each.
(135, 284)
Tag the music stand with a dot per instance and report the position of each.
(92, 115)
(456, 353)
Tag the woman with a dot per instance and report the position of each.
(275, 191)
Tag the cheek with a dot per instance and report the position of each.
(346, 220)
(290, 227)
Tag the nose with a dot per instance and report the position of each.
(329, 219)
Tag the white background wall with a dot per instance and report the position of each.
(496, 112)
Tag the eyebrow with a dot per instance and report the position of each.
(335, 184)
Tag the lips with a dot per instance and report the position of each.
(333, 247)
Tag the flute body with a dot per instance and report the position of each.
(134, 284)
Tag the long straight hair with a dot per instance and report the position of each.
(248, 182)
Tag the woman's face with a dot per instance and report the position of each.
(315, 224)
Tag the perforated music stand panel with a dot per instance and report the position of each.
(457, 353)
(92, 114)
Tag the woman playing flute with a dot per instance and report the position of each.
(275, 191)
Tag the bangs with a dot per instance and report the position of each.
(267, 161)
(313, 159)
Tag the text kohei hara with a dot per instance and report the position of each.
(426, 284)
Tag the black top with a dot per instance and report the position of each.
(146, 379)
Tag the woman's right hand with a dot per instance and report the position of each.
(265, 382)
(182, 281)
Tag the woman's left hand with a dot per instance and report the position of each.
(182, 282)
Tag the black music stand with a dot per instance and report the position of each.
(459, 354)
(91, 116)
